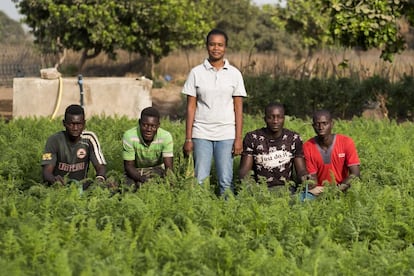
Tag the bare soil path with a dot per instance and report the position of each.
(167, 100)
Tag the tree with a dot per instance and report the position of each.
(369, 24)
(309, 20)
(270, 33)
(153, 28)
(59, 25)
(365, 24)
(238, 18)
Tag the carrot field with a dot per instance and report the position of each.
(175, 227)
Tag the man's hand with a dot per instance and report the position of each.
(60, 179)
(142, 179)
(111, 184)
(343, 187)
(316, 191)
(308, 179)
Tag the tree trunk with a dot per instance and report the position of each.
(82, 60)
(150, 62)
(187, 57)
(85, 56)
(62, 57)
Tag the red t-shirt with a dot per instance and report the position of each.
(340, 156)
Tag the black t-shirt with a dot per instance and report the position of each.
(72, 159)
(273, 158)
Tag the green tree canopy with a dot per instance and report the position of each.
(309, 20)
(369, 24)
(365, 24)
(238, 18)
(150, 28)
(154, 28)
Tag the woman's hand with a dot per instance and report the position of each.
(188, 147)
(237, 146)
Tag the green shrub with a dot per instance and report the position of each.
(344, 97)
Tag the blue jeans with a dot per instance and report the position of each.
(306, 195)
(204, 150)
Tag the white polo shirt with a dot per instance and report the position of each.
(214, 89)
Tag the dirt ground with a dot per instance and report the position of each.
(6, 102)
(167, 100)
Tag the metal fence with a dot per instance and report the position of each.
(18, 61)
(8, 71)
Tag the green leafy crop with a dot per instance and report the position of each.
(173, 226)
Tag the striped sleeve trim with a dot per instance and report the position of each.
(93, 139)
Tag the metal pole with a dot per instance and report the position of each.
(80, 82)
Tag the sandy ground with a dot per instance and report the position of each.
(168, 100)
(6, 93)
(6, 102)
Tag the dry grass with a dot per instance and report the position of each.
(322, 64)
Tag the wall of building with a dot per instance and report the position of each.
(37, 97)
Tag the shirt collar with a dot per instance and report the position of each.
(142, 139)
(208, 66)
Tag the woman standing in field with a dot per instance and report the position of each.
(214, 120)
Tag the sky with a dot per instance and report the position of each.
(9, 8)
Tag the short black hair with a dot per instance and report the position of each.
(217, 32)
(74, 109)
(322, 112)
(274, 105)
(150, 112)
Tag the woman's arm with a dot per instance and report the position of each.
(191, 108)
(238, 114)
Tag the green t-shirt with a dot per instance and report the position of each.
(134, 148)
